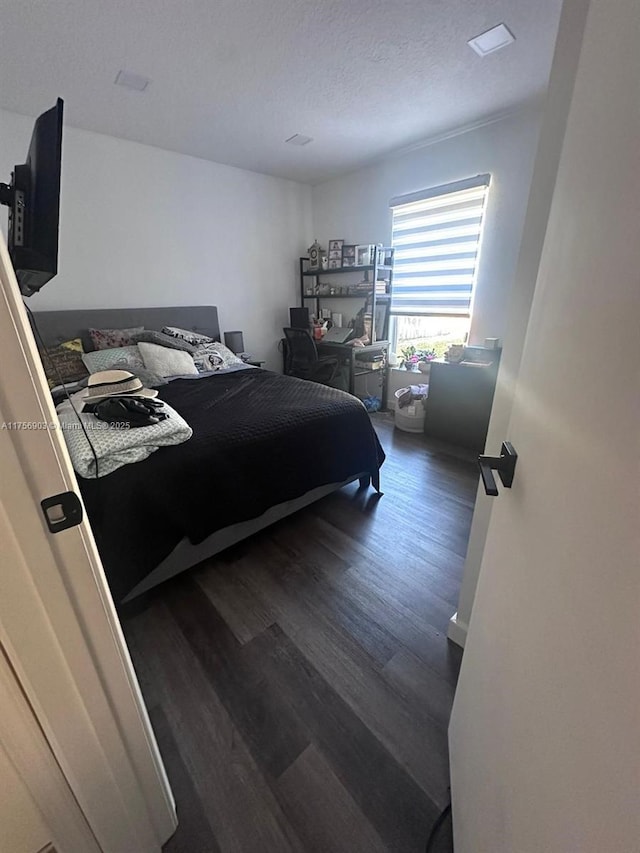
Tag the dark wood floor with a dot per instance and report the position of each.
(300, 685)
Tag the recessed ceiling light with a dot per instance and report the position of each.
(299, 139)
(130, 80)
(491, 40)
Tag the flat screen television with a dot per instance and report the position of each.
(33, 199)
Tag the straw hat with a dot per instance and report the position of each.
(114, 383)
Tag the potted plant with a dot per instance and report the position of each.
(410, 358)
(417, 359)
(425, 357)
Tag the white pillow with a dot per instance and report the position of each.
(165, 361)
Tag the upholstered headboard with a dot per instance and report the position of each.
(58, 326)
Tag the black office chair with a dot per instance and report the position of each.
(302, 358)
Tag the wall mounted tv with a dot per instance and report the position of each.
(33, 199)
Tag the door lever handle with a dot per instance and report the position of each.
(505, 465)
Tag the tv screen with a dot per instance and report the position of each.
(33, 198)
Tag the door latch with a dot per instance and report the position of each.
(62, 511)
(505, 465)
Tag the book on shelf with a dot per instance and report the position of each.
(365, 288)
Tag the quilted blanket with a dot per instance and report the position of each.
(112, 447)
(259, 439)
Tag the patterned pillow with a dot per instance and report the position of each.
(110, 338)
(213, 356)
(160, 339)
(63, 364)
(185, 335)
(105, 359)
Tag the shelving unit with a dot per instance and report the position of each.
(310, 279)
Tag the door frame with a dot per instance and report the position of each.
(58, 624)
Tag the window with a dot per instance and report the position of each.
(428, 333)
(436, 236)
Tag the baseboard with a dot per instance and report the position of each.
(457, 631)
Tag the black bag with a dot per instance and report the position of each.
(134, 411)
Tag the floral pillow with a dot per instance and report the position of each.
(63, 364)
(106, 359)
(111, 338)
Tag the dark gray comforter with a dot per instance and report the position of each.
(259, 439)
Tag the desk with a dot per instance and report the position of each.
(346, 356)
(459, 403)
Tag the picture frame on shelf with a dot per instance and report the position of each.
(335, 246)
(335, 263)
(365, 255)
(383, 256)
(335, 256)
(348, 255)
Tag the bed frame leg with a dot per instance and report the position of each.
(371, 480)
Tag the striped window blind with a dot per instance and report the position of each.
(436, 236)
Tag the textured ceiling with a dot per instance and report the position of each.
(232, 79)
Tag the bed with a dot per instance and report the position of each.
(263, 446)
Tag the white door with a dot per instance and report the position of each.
(545, 729)
(58, 627)
(37, 808)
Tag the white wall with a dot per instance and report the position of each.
(356, 207)
(142, 227)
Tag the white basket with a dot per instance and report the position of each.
(411, 417)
